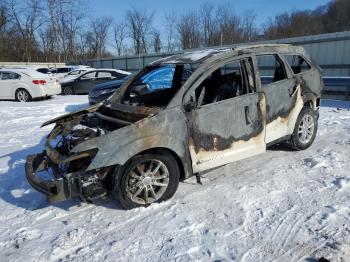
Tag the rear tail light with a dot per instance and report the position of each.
(39, 82)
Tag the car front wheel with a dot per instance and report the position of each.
(23, 95)
(67, 90)
(147, 179)
(305, 129)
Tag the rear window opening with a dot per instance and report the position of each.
(297, 63)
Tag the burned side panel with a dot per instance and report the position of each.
(311, 83)
(280, 98)
(283, 125)
(228, 131)
(165, 130)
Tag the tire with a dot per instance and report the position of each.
(67, 90)
(132, 184)
(23, 95)
(305, 129)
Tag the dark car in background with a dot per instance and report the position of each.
(82, 84)
(102, 91)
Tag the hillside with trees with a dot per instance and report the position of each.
(62, 31)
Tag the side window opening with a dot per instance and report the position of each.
(103, 74)
(89, 75)
(16, 76)
(231, 80)
(271, 69)
(6, 76)
(297, 63)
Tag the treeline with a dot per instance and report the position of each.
(62, 30)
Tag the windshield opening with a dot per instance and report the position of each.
(156, 86)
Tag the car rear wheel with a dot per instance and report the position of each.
(67, 90)
(23, 95)
(305, 129)
(147, 179)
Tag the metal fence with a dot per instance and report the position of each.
(331, 52)
(31, 64)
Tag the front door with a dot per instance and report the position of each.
(228, 123)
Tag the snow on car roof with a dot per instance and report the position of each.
(201, 55)
(115, 70)
(191, 57)
(29, 72)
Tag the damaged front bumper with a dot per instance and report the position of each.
(61, 187)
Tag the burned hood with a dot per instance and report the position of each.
(128, 112)
(69, 116)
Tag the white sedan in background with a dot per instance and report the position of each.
(24, 84)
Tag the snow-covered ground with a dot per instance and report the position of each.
(282, 205)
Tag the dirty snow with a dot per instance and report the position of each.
(282, 205)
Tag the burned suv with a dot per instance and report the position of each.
(177, 117)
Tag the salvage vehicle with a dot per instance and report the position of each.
(83, 83)
(24, 85)
(214, 110)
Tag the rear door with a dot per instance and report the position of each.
(282, 96)
(228, 121)
(85, 82)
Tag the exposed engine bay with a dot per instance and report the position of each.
(70, 167)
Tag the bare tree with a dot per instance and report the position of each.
(170, 20)
(64, 18)
(249, 30)
(209, 23)
(188, 30)
(100, 27)
(4, 38)
(139, 23)
(27, 18)
(120, 33)
(156, 42)
(229, 30)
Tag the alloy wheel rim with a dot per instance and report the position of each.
(22, 96)
(68, 91)
(306, 129)
(147, 181)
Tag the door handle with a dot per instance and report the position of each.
(248, 120)
(292, 91)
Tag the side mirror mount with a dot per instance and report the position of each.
(190, 104)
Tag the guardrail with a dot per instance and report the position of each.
(336, 88)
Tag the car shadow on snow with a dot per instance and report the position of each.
(16, 190)
(279, 147)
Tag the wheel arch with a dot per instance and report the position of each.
(164, 150)
(311, 101)
(17, 88)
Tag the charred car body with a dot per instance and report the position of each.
(209, 108)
